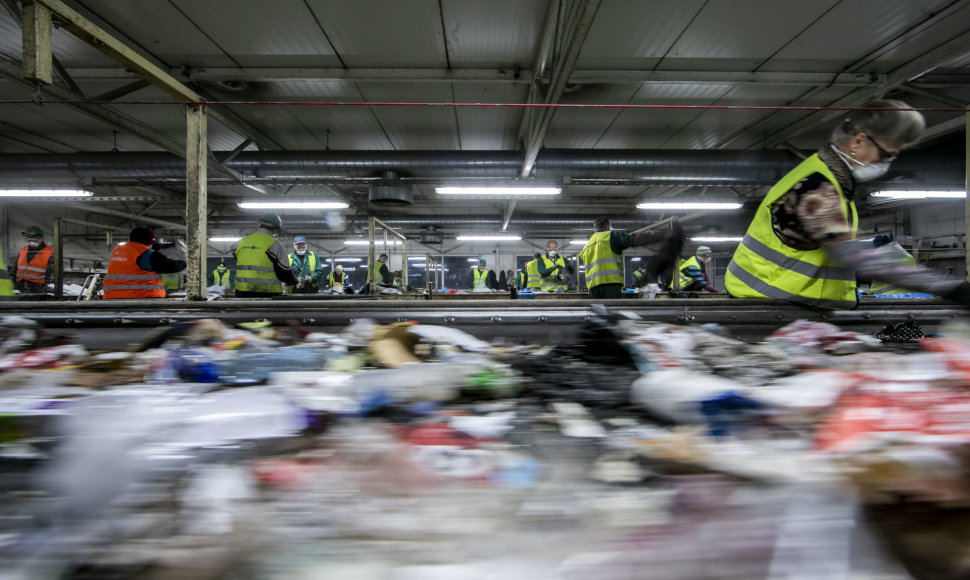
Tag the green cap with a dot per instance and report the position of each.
(482, 261)
(33, 232)
(272, 220)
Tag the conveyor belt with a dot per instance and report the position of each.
(108, 323)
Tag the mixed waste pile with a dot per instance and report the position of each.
(408, 451)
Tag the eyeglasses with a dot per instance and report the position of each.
(884, 156)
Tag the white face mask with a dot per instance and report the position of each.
(704, 259)
(863, 171)
(301, 252)
(552, 253)
(33, 244)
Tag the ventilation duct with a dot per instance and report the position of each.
(389, 193)
(431, 235)
(676, 167)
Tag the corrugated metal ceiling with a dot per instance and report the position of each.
(422, 43)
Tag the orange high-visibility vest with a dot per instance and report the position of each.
(33, 271)
(125, 279)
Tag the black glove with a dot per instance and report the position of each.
(162, 245)
(960, 294)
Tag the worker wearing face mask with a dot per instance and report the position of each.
(553, 269)
(261, 264)
(693, 272)
(34, 269)
(801, 245)
(306, 267)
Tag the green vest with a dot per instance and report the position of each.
(533, 280)
(603, 266)
(6, 284)
(883, 288)
(638, 278)
(549, 283)
(254, 270)
(480, 277)
(764, 267)
(685, 280)
(312, 258)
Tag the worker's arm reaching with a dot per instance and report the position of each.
(281, 267)
(158, 262)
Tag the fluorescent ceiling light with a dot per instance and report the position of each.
(634, 259)
(486, 190)
(348, 260)
(670, 205)
(350, 269)
(292, 205)
(474, 260)
(716, 239)
(920, 194)
(577, 242)
(416, 258)
(225, 239)
(494, 238)
(44, 193)
(376, 243)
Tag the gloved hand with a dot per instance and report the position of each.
(960, 294)
(300, 283)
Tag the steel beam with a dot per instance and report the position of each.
(196, 201)
(125, 215)
(561, 71)
(108, 44)
(932, 95)
(966, 204)
(120, 91)
(418, 75)
(38, 59)
(939, 56)
(58, 258)
(508, 214)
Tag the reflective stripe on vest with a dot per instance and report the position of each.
(685, 280)
(603, 266)
(220, 278)
(480, 277)
(343, 278)
(532, 269)
(254, 270)
(549, 283)
(764, 267)
(6, 284)
(35, 270)
(126, 279)
(520, 279)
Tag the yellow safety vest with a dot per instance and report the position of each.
(549, 282)
(603, 266)
(220, 278)
(533, 280)
(312, 260)
(480, 277)
(254, 270)
(685, 281)
(764, 267)
(171, 281)
(332, 278)
(883, 288)
(6, 284)
(520, 279)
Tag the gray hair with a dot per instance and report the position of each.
(902, 127)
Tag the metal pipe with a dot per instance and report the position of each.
(710, 167)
